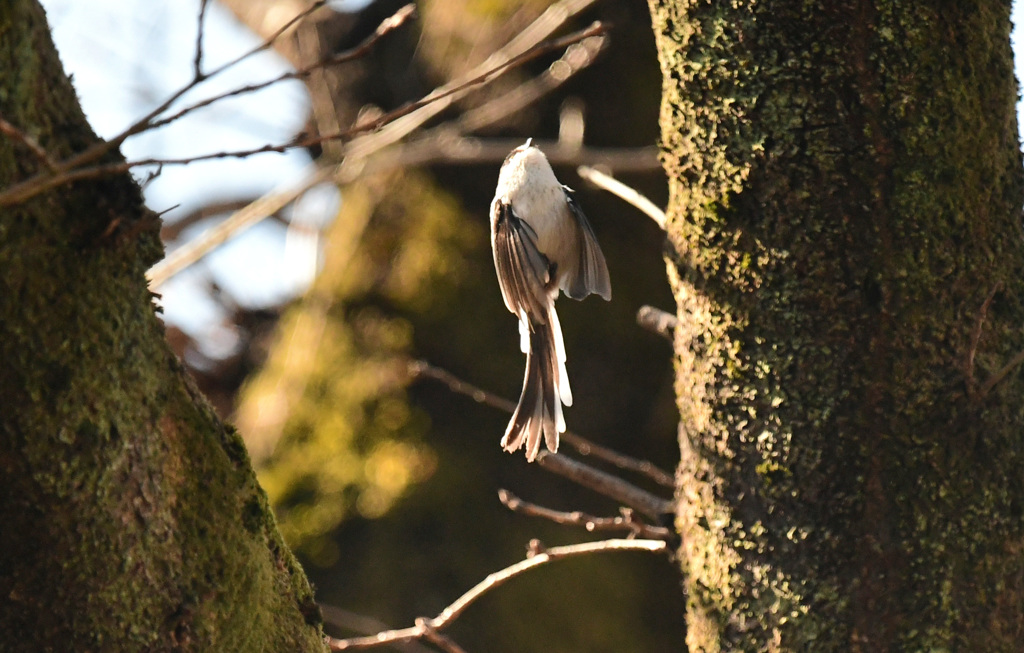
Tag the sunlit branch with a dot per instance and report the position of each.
(453, 611)
(364, 625)
(657, 321)
(627, 193)
(452, 149)
(584, 446)
(604, 483)
(627, 521)
(576, 58)
(403, 120)
(239, 221)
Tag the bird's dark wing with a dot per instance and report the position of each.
(523, 272)
(591, 272)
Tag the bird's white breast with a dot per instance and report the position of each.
(528, 183)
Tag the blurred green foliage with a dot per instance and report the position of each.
(328, 418)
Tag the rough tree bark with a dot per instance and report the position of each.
(845, 195)
(131, 519)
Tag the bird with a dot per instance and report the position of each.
(542, 244)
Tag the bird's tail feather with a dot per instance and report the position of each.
(545, 389)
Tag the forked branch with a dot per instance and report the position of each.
(424, 627)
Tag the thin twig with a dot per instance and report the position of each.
(576, 58)
(405, 119)
(584, 446)
(388, 25)
(74, 168)
(432, 635)
(66, 173)
(364, 625)
(627, 193)
(492, 581)
(1000, 375)
(626, 521)
(604, 483)
(972, 349)
(657, 321)
(451, 149)
(197, 63)
(32, 144)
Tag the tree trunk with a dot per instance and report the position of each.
(131, 519)
(845, 196)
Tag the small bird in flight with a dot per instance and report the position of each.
(542, 243)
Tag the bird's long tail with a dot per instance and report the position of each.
(545, 389)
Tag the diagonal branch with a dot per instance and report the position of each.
(1001, 374)
(657, 321)
(584, 446)
(604, 483)
(453, 611)
(388, 25)
(627, 521)
(627, 193)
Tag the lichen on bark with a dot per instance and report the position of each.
(845, 193)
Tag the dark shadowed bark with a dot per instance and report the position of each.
(130, 518)
(845, 196)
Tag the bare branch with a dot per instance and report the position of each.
(74, 168)
(625, 192)
(626, 521)
(388, 25)
(434, 637)
(66, 174)
(197, 63)
(453, 611)
(657, 321)
(364, 625)
(451, 149)
(403, 120)
(356, 152)
(576, 58)
(239, 221)
(604, 483)
(585, 447)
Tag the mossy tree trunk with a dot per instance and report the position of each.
(845, 196)
(130, 518)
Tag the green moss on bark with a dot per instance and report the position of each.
(132, 518)
(845, 193)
